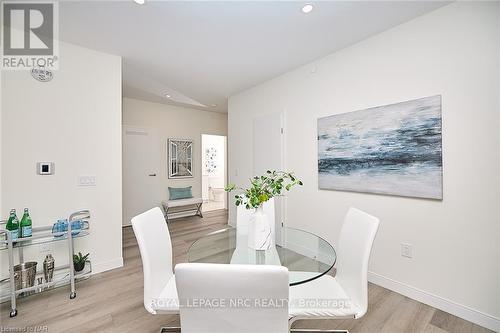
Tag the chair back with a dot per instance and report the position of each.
(355, 245)
(244, 294)
(155, 246)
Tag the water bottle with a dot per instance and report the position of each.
(12, 225)
(25, 226)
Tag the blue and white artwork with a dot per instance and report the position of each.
(393, 149)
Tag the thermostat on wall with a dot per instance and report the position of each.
(45, 168)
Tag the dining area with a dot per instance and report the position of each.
(249, 166)
(248, 278)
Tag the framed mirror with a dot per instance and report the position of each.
(180, 158)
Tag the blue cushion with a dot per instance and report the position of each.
(180, 192)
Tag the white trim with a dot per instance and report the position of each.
(107, 265)
(459, 310)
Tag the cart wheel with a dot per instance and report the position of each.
(72, 295)
(13, 313)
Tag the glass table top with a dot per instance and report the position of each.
(306, 255)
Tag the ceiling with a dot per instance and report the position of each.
(200, 53)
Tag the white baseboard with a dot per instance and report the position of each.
(459, 310)
(107, 265)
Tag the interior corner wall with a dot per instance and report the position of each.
(74, 121)
(454, 52)
(171, 121)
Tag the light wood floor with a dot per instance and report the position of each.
(112, 301)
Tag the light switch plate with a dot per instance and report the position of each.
(87, 180)
(406, 250)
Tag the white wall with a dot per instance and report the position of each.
(174, 122)
(75, 122)
(453, 51)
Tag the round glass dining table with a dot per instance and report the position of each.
(306, 255)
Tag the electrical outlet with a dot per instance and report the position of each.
(406, 250)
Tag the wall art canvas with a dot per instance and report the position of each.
(394, 149)
(180, 158)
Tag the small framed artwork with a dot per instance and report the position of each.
(180, 158)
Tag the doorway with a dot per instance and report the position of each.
(213, 172)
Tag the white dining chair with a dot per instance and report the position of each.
(153, 238)
(243, 298)
(346, 295)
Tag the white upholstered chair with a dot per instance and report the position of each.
(153, 237)
(346, 295)
(246, 290)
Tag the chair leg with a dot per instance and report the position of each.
(168, 329)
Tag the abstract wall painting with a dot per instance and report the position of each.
(394, 149)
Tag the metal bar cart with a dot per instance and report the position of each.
(64, 274)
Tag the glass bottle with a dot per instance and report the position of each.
(12, 225)
(25, 226)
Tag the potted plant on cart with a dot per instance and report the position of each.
(79, 261)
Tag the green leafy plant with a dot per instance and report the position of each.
(79, 261)
(263, 188)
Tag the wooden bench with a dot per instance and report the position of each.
(182, 207)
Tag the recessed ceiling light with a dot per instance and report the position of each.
(167, 96)
(307, 8)
(140, 2)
